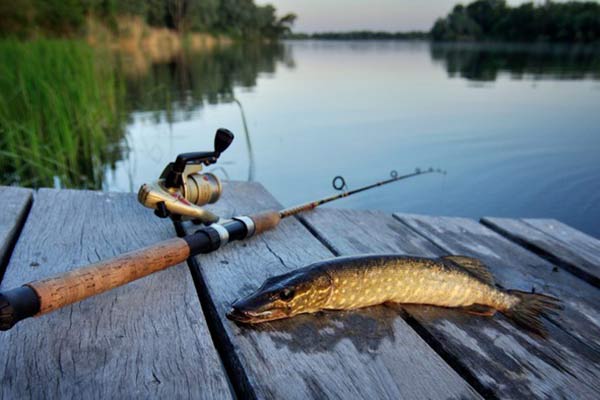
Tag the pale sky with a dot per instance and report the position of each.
(345, 15)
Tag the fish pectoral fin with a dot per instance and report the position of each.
(473, 266)
(480, 309)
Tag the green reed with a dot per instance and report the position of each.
(61, 117)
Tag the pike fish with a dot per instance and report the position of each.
(347, 283)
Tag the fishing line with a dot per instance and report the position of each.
(248, 142)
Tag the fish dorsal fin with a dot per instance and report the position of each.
(473, 266)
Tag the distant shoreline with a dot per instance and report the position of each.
(482, 21)
(425, 37)
(359, 35)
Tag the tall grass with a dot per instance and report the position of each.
(61, 117)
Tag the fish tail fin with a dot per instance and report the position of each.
(531, 307)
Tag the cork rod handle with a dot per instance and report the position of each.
(71, 287)
(81, 283)
(41, 297)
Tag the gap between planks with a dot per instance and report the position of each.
(251, 350)
(557, 251)
(433, 343)
(474, 342)
(149, 335)
(10, 231)
(232, 368)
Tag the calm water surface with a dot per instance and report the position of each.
(516, 127)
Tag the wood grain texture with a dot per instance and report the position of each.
(567, 364)
(498, 358)
(365, 354)
(567, 247)
(147, 339)
(15, 206)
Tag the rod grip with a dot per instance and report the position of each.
(73, 286)
(17, 304)
(265, 221)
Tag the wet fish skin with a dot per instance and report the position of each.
(362, 282)
(346, 283)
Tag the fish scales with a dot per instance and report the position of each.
(346, 283)
(356, 284)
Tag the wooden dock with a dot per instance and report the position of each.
(166, 336)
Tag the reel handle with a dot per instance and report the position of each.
(223, 139)
(181, 189)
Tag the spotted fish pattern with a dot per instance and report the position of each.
(410, 280)
(346, 283)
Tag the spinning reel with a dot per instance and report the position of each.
(181, 189)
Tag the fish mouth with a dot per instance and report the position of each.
(254, 317)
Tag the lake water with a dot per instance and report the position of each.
(516, 127)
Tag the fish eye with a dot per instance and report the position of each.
(286, 294)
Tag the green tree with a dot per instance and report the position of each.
(485, 13)
(495, 20)
(203, 15)
(240, 18)
(64, 17)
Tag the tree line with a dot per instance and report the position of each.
(571, 21)
(237, 18)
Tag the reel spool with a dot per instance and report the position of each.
(181, 189)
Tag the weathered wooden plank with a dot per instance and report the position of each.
(574, 250)
(355, 355)
(515, 267)
(15, 206)
(500, 359)
(148, 339)
(570, 358)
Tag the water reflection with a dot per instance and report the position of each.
(177, 87)
(484, 62)
(529, 149)
(75, 129)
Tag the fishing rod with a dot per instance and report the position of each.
(177, 194)
(314, 204)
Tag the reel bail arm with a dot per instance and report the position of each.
(182, 189)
